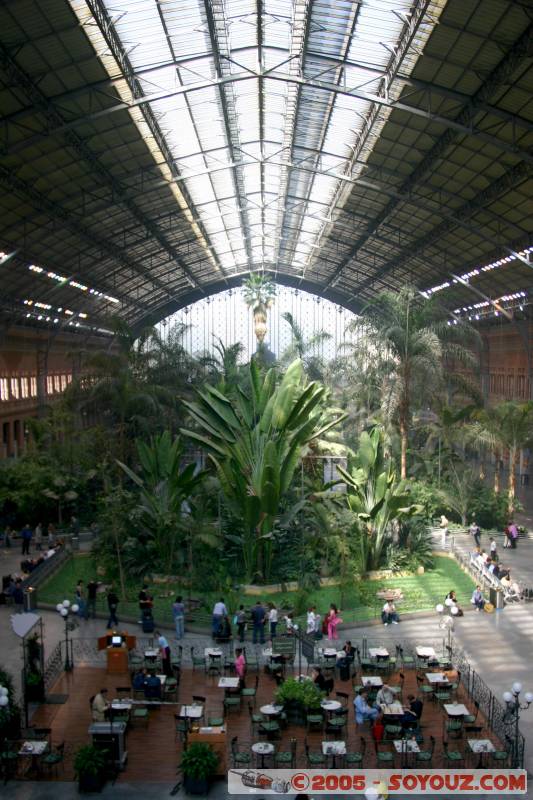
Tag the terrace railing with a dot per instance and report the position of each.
(41, 573)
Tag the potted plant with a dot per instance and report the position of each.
(298, 699)
(89, 768)
(34, 687)
(198, 764)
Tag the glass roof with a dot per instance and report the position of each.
(252, 98)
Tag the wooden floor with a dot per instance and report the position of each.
(153, 752)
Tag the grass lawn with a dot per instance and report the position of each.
(421, 592)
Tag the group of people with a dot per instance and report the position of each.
(373, 710)
(29, 536)
(510, 536)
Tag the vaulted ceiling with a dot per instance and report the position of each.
(153, 152)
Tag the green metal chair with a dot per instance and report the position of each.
(315, 722)
(393, 731)
(252, 691)
(314, 758)
(286, 758)
(53, 759)
(232, 702)
(270, 729)
(426, 756)
(181, 728)
(336, 726)
(452, 758)
(197, 661)
(406, 661)
(255, 720)
(501, 757)
(469, 719)
(354, 759)
(239, 757)
(139, 716)
(454, 728)
(383, 757)
(170, 689)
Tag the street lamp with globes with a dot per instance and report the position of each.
(446, 621)
(67, 610)
(512, 715)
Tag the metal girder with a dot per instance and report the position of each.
(463, 124)
(410, 28)
(499, 75)
(39, 100)
(106, 28)
(511, 178)
(74, 224)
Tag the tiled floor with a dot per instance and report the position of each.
(154, 755)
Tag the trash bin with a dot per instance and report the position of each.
(75, 542)
(496, 597)
(30, 599)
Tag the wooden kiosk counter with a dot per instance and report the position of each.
(117, 645)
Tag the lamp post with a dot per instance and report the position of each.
(66, 610)
(512, 714)
(446, 621)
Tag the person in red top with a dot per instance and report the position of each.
(240, 665)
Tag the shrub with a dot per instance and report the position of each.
(304, 692)
(199, 761)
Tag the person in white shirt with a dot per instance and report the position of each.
(219, 612)
(389, 613)
(311, 617)
(272, 619)
(385, 696)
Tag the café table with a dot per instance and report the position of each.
(334, 749)
(406, 748)
(372, 680)
(456, 709)
(480, 746)
(214, 652)
(330, 706)
(329, 652)
(271, 710)
(262, 749)
(437, 677)
(151, 654)
(228, 683)
(192, 712)
(378, 652)
(425, 652)
(392, 710)
(163, 679)
(35, 750)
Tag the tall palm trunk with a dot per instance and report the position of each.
(511, 484)
(496, 472)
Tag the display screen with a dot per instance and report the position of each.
(116, 641)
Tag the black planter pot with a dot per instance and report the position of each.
(90, 783)
(35, 692)
(195, 785)
(295, 712)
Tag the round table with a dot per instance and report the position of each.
(263, 749)
(271, 710)
(330, 705)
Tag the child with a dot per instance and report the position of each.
(493, 553)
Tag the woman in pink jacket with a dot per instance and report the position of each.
(333, 620)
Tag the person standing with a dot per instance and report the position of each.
(8, 533)
(165, 653)
(240, 666)
(258, 621)
(80, 600)
(18, 597)
(475, 531)
(273, 620)
(112, 604)
(333, 620)
(178, 612)
(493, 549)
(51, 533)
(240, 620)
(38, 533)
(219, 612)
(310, 629)
(143, 601)
(26, 534)
(92, 589)
(513, 534)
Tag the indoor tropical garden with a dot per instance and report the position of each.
(317, 472)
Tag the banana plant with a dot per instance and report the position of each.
(164, 488)
(375, 496)
(255, 439)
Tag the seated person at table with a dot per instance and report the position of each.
(362, 710)
(152, 688)
(477, 599)
(385, 696)
(389, 613)
(139, 680)
(412, 714)
(349, 654)
(240, 666)
(318, 678)
(100, 706)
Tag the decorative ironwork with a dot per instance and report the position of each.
(53, 666)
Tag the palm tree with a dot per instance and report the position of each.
(304, 349)
(259, 295)
(505, 427)
(414, 340)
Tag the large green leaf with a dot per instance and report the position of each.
(209, 444)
